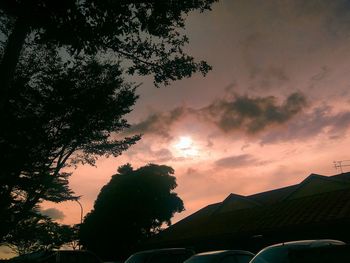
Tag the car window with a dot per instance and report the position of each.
(272, 255)
(169, 258)
(138, 258)
(321, 255)
(228, 259)
(243, 258)
(200, 259)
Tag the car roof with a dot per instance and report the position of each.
(308, 243)
(161, 250)
(224, 252)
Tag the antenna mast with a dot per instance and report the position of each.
(340, 164)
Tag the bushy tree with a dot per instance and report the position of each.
(134, 205)
(38, 233)
(62, 101)
(58, 115)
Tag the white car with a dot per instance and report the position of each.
(301, 251)
(164, 255)
(222, 256)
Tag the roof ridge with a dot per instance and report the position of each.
(324, 177)
(231, 195)
(308, 179)
(337, 177)
(244, 197)
(272, 190)
(195, 214)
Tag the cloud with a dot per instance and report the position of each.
(191, 171)
(158, 123)
(236, 161)
(162, 155)
(267, 77)
(253, 114)
(239, 161)
(321, 120)
(325, 71)
(149, 151)
(334, 15)
(265, 117)
(53, 213)
(242, 113)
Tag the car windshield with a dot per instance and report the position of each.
(137, 258)
(200, 259)
(272, 255)
(169, 258)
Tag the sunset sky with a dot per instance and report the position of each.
(275, 107)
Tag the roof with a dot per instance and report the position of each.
(162, 250)
(224, 252)
(345, 177)
(309, 243)
(316, 201)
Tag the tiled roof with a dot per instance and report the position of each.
(343, 177)
(273, 196)
(310, 203)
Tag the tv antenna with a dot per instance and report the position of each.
(340, 164)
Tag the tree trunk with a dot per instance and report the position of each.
(8, 64)
(10, 58)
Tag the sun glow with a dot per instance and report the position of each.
(186, 147)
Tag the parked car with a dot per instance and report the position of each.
(165, 255)
(222, 256)
(320, 251)
(58, 256)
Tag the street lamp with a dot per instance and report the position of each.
(81, 210)
(81, 216)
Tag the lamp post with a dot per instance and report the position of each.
(81, 217)
(81, 210)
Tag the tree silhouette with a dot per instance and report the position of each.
(144, 32)
(58, 115)
(62, 86)
(131, 207)
(38, 233)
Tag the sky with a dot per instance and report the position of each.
(274, 109)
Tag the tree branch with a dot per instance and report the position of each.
(10, 58)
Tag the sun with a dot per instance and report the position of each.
(184, 142)
(185, 146)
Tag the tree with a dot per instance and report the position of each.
(62, 101)
(144, 32)
(38, 233)
(133, 206)
(58, 115)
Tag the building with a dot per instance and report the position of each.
(318, 207)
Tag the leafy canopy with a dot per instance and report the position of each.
(38, 233)
(131, 207)
(57, 116)
(60, 102)
(147, 34)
